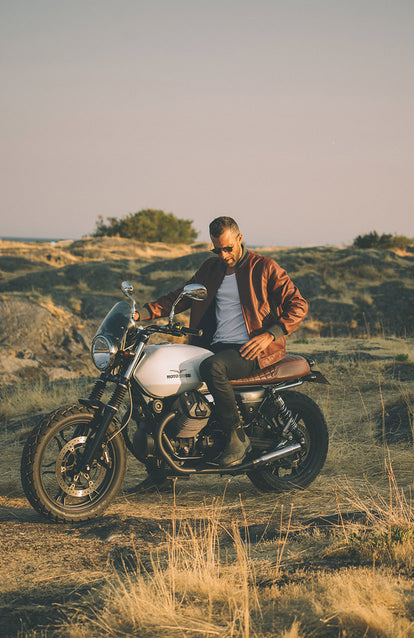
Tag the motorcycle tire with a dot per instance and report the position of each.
(299, 471)
(48, 461)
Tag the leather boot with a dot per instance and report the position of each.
(236, 448)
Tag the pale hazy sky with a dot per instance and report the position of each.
(295, 117)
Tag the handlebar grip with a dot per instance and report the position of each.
(192, 331)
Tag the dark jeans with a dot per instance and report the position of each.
(227, 363)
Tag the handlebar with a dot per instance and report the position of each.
(192, 331)
(175, 330)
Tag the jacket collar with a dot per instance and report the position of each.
(241, 261)
(243, 257)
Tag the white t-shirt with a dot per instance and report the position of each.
(231, 327)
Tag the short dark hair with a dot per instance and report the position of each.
(220, 224)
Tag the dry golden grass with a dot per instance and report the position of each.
(26, 400)
(90, 248)
(217, 558)
(198, 585)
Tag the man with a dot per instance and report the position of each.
(251, 306)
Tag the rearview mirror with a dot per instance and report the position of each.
(194, 291)
(128, 289)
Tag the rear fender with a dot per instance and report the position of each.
(315, 376)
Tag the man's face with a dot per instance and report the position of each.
(228, 247)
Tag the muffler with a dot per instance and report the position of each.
(276, 454)
(261, 460)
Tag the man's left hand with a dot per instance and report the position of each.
(251, 348)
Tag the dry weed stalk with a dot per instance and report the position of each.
(191, 586)
(379, 511)
(386, 537)
(362, 603)
(29, 399)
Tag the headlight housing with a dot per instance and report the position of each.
(103, 352)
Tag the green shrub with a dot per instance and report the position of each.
(401, 357)
(385, 241)
(148, 226)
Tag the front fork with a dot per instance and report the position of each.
(94, 448)
(105, 413)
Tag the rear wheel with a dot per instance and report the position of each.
(48, 466)
(298, 470)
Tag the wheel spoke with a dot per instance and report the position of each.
(49, 475)
(51, 464)
(60, 497)
(296, 471)
(61, 440)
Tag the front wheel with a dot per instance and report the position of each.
(48, 467)
(299, 470)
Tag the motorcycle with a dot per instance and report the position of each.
(74, 461)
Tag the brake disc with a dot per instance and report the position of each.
(83, 483)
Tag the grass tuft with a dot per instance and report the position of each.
(193, 586)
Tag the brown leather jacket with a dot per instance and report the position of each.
(269, 299)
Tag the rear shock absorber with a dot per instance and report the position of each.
(291, 428)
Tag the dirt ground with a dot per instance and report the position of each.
(47, 570)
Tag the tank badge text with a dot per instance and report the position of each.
(179, 375)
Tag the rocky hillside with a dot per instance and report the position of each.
(53, 297)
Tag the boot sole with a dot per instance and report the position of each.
(238, 461)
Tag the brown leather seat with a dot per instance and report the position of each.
(293, 366)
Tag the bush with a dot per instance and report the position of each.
(148, 226)
(385, 241)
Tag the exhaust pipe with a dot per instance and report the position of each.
(276, 454)
(254, 463)
(236, 469)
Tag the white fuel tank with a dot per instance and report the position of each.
(170, 368)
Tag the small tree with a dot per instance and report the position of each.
(148, 226)
(385, 241)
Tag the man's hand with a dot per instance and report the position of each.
(251, 348)
(138, 316)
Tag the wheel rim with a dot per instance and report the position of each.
(287, 468)
(64, 488)
(291, 467)
(72, 483)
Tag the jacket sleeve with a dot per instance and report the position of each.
(285, 300)
(162, 306)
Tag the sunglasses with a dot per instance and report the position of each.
(226, 249)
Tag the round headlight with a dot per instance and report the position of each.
(103, 352)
